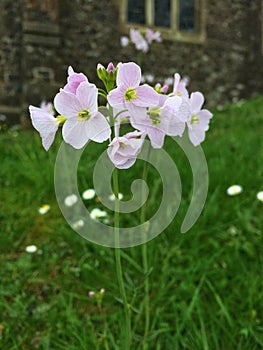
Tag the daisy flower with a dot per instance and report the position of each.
(31, 249)
(260, 196)
(70, 200)
(89, 194)
(44, 209)
(234, 190)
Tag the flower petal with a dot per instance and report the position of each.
(74, 132)
(116, 97)
(67, 104)
(129, 74)
(196, 102)
(43, 121)
(146, 96)
(97, 128)
(87, 95)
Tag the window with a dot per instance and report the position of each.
(176, 19)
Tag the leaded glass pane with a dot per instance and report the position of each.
(162, 13)
(136, 11)
(187, 15)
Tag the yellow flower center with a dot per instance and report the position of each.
(130, 94)
(83, 115)
(194, 119)
(154, 114)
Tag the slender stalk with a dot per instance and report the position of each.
(127, 312)
(145, 261)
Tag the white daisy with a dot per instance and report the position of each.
(234, 190)
(44, 209)
(78, 224)
(97, 213)
(260, 196)
(89, 194)
(31, 249)
(112, 196)
(70, 200)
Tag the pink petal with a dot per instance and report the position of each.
(48, 140)
(87, 95)
(156, 137)
(205, 117)
(129, 75)
(146, 96)
(98, 129)
(75, 133)
(196, 102)
(196, 136)
(67, 104)
(43, 121)
(116, 97)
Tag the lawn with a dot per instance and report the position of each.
(206, 286)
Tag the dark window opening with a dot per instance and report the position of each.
(162, 13)
(136, 11)
(187, 15)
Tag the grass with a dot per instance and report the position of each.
(206, 289)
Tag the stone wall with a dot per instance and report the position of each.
(39, 39)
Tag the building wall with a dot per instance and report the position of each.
(39, 39)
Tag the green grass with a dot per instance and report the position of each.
(206, 286)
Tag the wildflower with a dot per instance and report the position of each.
(112, 196)
(124, 150)
(89, 194)
(234, 190)
(74, 80)
(44, 209)
(78, 224)
(91, 294)
(260, 196)
(96, 213)
(160, 121)
(151, 36)
(70, 200)
(84, 121)
(31, 249)
(48, 107)
(179, 88)
(45, 123)
(198, 122)
(124, 41)
(128, 91)
(138, 40)
(102, 291)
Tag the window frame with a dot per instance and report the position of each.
(172, 33)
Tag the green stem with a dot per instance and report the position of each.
(127, 311)
(145, 262)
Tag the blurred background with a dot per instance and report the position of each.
(206, 286)
(218, 44)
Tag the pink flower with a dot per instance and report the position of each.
(161, 120)
(138, 40)
(128, 91)
(124, 41)
(45, 123)
(151, 36)
(198, 123)
(91, 294)
(48, 107)
(123, 150)
(179, 88)
(84, 121)
(74, 79)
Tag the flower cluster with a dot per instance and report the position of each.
(151, 113)
(141, 38)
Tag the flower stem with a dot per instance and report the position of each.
(127, 312)
(145, 261)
